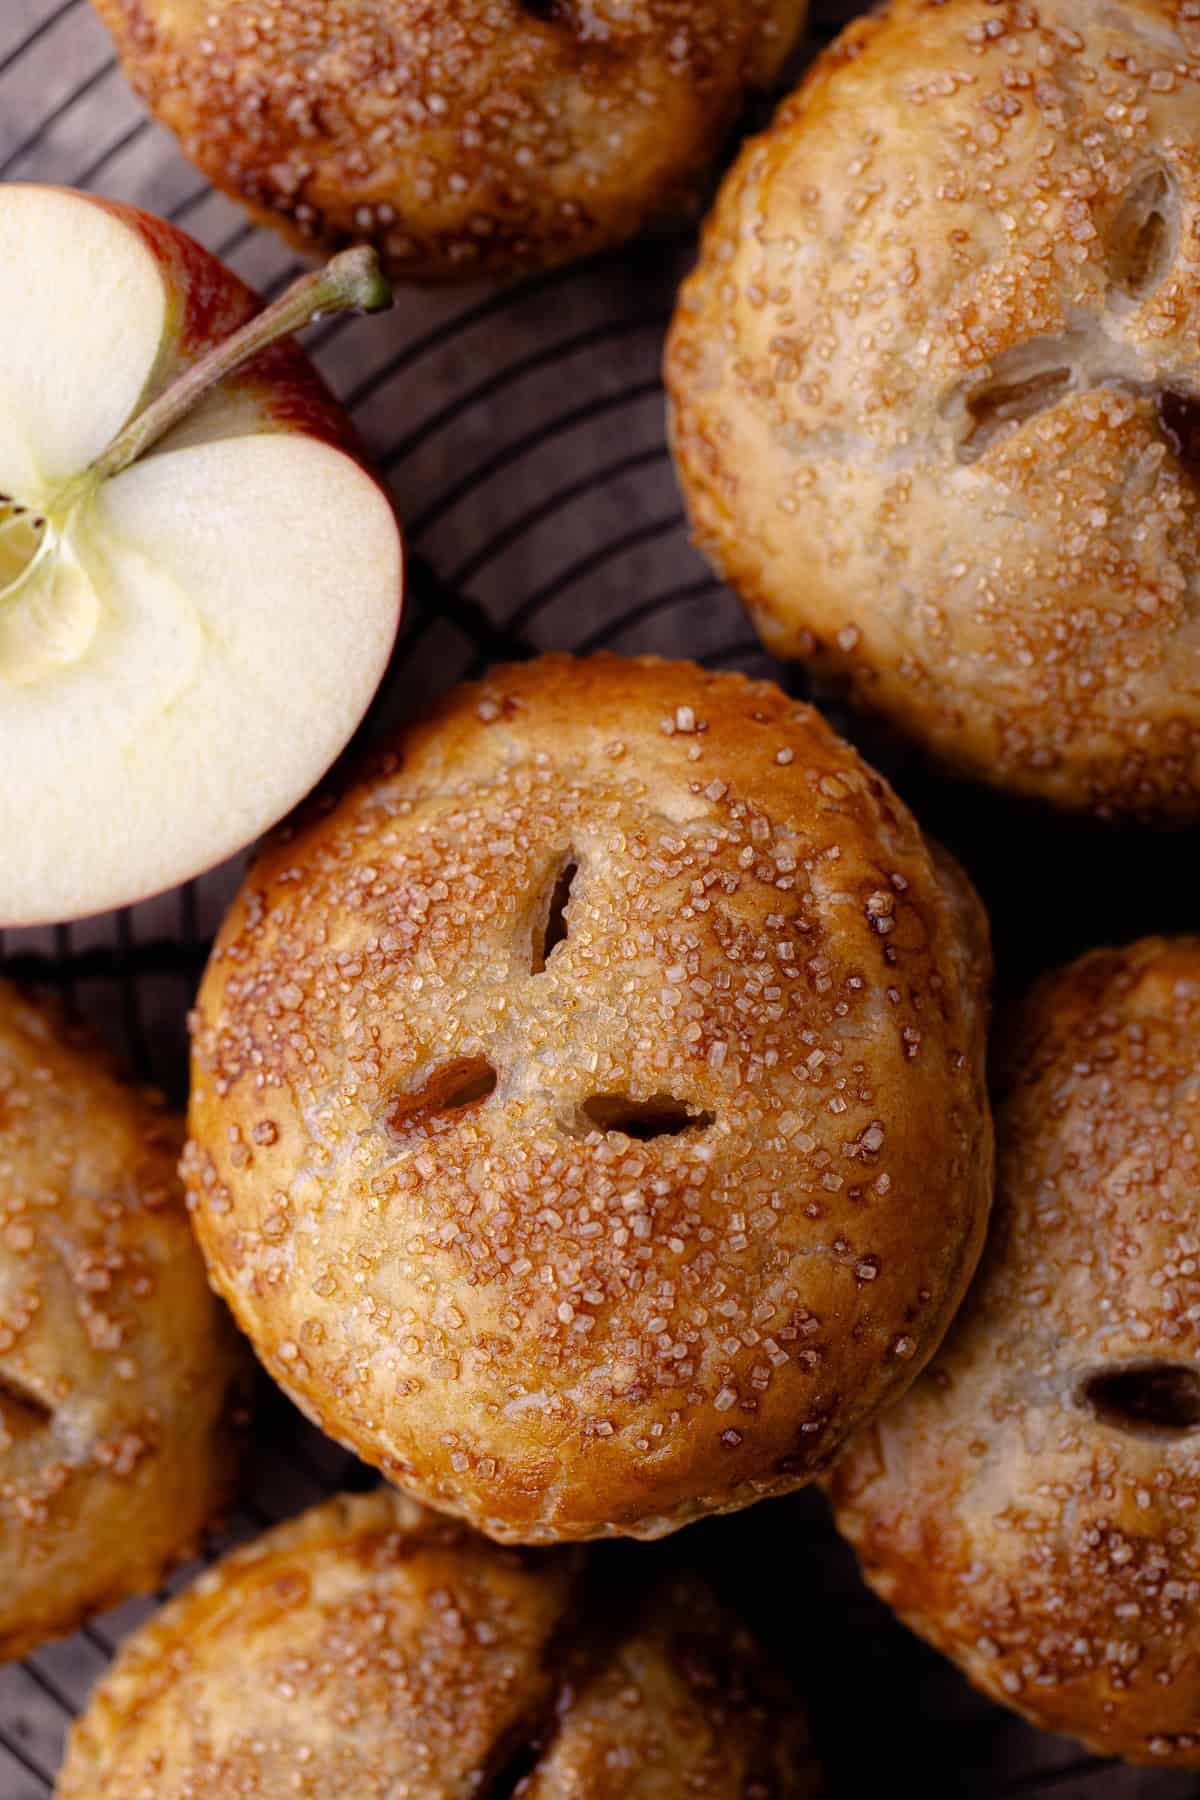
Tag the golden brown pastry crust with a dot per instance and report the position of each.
(118, 1367)
(1031, 1505)
(554, 1328)
(935, 393)
(463, 137)
(370, 1644)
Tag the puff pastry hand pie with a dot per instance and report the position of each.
(465, 138)
(936, 405)
(370, 1648)
(587, 1117)
(1031, 1505)
(119, 1371)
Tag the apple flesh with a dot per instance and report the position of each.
(187, 639)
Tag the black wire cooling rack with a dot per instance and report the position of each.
(522, 431)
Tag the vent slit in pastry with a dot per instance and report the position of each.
(22, 1412)
(1152, 1399)
(518, 1766)
(1006, 401)
(1146, 236)
(1179, 417)
(551, 931)
(465, 1082)
(660, 1116)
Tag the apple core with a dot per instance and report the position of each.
(22, 534)
(49, 607)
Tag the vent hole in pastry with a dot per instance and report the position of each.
(551, 929)
(661, 1116)
(22, 1413)
(450, 1091)
(1008, 400)
(1179, 417)
(1146, 1399)
(1145, 235)
(508, 1783)
(550, 12)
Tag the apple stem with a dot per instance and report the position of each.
(352, 282)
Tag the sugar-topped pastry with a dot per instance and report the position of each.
(587, 1119)
(371, 1649)
(1030, 1506)
(474, 137)
(120, 1373)
(935, 398)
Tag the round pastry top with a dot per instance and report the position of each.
(587, 1120)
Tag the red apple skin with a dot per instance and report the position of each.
(207, 302)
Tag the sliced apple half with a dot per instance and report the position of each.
(200, 582)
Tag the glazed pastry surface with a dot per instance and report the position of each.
(464, 138)
(1030, 1506)
(370, 1649)
(119, 1371)
(935, 394)
(587, 1118)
